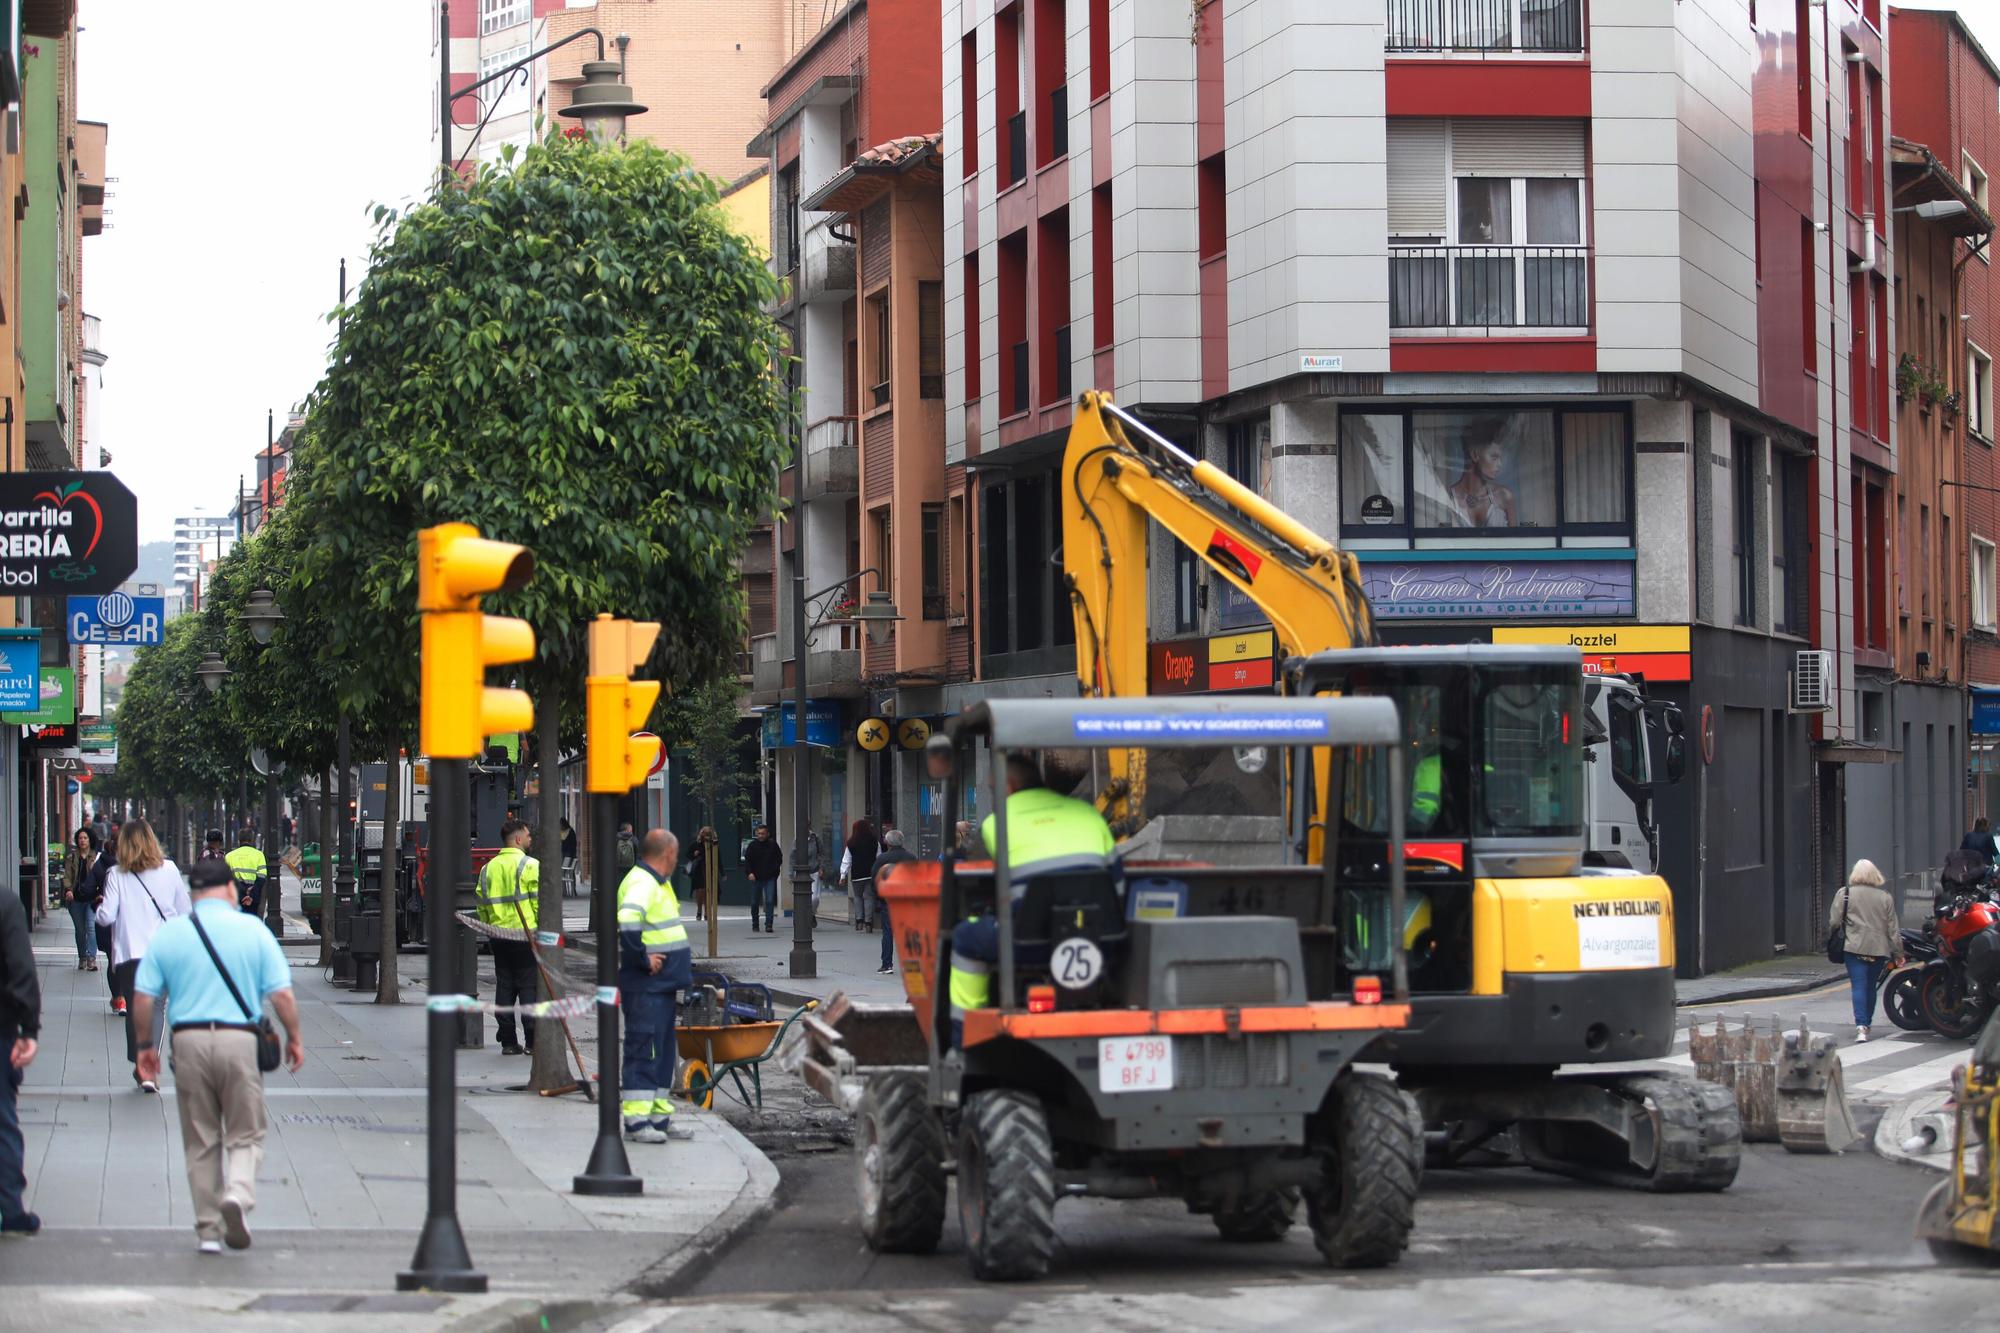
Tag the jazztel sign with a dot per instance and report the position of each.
(66, 532)
(116, 618)
(1657, 652)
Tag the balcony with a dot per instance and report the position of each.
(1489, 287)
(826, 270)
(833, 663)
(832, 463)
(1480, 26)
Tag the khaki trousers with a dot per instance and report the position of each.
(221, 1096)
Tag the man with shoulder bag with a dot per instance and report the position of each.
(220, 967)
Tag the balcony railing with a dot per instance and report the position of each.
(832, 466)
(1489, 286)
(1485, 25)
(1017, 148)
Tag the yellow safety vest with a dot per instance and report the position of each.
(510, 889)
(1044, 829)
(1427, 791)
(971, 982)
(647, 905)
(248, 864)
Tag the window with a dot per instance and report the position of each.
(1103, 301)
(1541, 471)
(1531, 783)
(930, 339)
(968, 103)
(1975, 179)
(1100, 48)
(972, 367)
(510, 94)
(787, 241)
(883, 522)
(880, 354)
(1978, 392)
(1247, 458)
(1983, 574)
(497, 14)
(1791, 478)
(1187, 589)
(958, 550)
(1743, 522)
(1802, 62)
(1808, 298)
(1211, 192)
(935, 544)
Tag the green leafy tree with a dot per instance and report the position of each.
(175, 739)
(571, 352)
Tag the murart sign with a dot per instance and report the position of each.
(66, 532)
(1498, 589)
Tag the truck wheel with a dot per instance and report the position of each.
(1362, 1210)
(1006, 1187)
(1259, 1218)
(899, 1153)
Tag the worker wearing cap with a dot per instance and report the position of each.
(510, 886)
(655, 963)
(247, 865)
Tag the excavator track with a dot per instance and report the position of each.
(1695, 1130)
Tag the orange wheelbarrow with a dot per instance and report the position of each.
(729, 1050)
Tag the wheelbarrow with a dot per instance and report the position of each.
(710, 1052)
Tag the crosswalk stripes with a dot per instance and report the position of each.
(1913, 1062)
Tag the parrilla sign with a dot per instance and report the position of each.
(66, 532)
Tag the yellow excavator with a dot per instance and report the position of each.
(1522, 960)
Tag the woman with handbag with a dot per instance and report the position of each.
(79, 882)
(1865, 936)
(141, 892)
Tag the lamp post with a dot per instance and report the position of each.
(878, 615)
(262, 615)
(601, 105)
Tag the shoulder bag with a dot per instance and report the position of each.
(1836, 939)
(270, 1051)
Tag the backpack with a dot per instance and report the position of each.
(628, 851)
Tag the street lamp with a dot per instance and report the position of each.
(1935, 210)
(212, 671)
(602, 103)
(263, 615)
(878, 617)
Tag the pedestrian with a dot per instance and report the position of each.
(628, 848)
(698, 861)
(763, 861)
(213, 850)
(20, 1029)
(252, 873)
(510, 887)
(857, 870)
(141, 893)
(655, 963)
(568, 841)
(1981, 840)
(965, 838)
(893, 853)
(80, 874)
(1864, 913)
(217, 967)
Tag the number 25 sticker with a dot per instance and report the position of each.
(1076, 964)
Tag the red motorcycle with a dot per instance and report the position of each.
(1959, 991)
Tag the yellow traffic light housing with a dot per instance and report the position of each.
(616, 705)
(455, 567)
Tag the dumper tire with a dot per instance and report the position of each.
(1365, 1204)
(1259, 1218)
(1006, 1186)
(899, 1157)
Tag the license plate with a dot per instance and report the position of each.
(1135, 1064)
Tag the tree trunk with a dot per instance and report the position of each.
(551, 1069)
(388, 990)
(326, 837)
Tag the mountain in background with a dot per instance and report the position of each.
(156, 565)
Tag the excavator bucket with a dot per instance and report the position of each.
(1788, 1085)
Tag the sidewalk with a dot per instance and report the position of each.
(342, 1187)
(1758, 981)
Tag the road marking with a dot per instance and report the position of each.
(1857, 1054)
(1916, 1077)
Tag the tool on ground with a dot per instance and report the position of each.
(1788, 1085)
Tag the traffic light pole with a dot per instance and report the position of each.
(442, 1261)
(609, 1170)
(274, 851)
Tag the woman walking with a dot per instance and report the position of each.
(80, 879)
(697, 864)
(1865, 915)
(857, 870)
(141, 891)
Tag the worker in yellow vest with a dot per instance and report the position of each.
(247, 865)
(655, 963)
(510, 887)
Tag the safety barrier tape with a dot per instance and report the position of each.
(569, 1006)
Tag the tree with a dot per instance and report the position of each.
(571, 352)
(175, 739)
(705, 729)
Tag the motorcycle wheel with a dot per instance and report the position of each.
(1902, 1000)
(1950, 1012)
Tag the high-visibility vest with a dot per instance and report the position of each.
(971, 981)
(649, 915)
(1427, 791)
(510, 889)
(249, 866)
(1050, 832)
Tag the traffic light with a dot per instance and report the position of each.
(455, 566)
(617, 705)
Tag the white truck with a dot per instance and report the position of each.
(1634, 746)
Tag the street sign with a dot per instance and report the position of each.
(659, 758)
(66, 532)
(116, 618)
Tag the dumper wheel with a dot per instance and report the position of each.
(1362, 1209)
(899, 1153)
(1259, 1217)
(1006, 1186)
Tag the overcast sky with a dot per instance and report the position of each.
(248, 145)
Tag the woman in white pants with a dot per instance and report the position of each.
(143, 890)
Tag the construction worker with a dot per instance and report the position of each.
(510, 886)
(247, 864)
(655, 963)
(1045, 833)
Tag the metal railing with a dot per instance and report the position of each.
(1485, 25)
(1490, 286)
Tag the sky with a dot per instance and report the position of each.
(248, 145)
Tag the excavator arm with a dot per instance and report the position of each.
(1116, 475)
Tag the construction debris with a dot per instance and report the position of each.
(1788, 1085)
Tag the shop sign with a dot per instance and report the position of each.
(1212, 665)
(116, 618)
(20, 674)
(66, 532)
(1524, 589)
(872, 735)
(56, 698)
(1657, 652)
(913, 733)
(97, 736)
(822, 724)
(1985, 711)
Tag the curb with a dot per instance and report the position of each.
(1913, 1115)
(756, 1201)
(1773, 990)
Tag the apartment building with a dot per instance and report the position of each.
(1571, 319)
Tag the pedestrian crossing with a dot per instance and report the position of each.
(1887, 1067)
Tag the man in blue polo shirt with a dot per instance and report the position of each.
(214, 1021)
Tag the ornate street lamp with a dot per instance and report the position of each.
(878, 616)
(263, 615)
(603, 102)
(212, 671)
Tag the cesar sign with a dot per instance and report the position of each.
(116, 618)
(66, 532)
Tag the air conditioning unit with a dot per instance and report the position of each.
(1812, 681)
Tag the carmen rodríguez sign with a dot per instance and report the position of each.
(66, 532)
(1498, 589)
